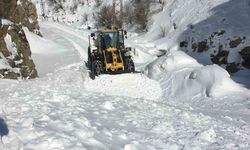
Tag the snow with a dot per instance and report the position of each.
(11, 46)
(60, 50)
(194, 12)
(6, 22)
(205, 18)
(3, 62)
(208, 135)
(18, 2)
(129, 85)
(183, 77)
(13, 51)
(180, 104)
(242, 77)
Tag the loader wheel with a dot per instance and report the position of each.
(129, 65)
(97, 67)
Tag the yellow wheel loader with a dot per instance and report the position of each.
(108, 54)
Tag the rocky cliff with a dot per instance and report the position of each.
(224, 36)
(15, 53)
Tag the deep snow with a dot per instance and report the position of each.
(179, 108)
(175, 103)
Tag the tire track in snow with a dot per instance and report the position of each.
(80, 50)
(78, 42)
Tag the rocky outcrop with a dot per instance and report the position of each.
(223, 50)
(235, 42)
(20, 12)
(245, 53)
(15, 53)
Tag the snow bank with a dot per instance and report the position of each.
(213, 80)
(173, 61)
(59, 46)
(128, 85)
(181, 76)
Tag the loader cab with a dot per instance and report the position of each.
(106, 39)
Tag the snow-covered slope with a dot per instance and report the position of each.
(214, 31)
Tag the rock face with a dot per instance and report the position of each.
(20, 12)
(245, 53)
(232, 53)
(15, 53)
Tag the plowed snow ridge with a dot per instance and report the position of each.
(130, 85)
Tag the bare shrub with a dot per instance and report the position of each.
(142, 13)
(104, 17)
(162, 2)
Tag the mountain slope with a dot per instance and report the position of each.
(215, 31)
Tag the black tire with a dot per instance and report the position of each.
(129, 65)
(97, 67)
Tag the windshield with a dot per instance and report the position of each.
(113, 39)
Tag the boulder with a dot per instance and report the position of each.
(203, 46)
(232, 68)
(234, 43)
(220, 58)
(245, 53)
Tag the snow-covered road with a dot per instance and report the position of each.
(64, 109)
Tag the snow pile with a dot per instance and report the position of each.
(171, 62)
(182, 77)
(129, 85)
